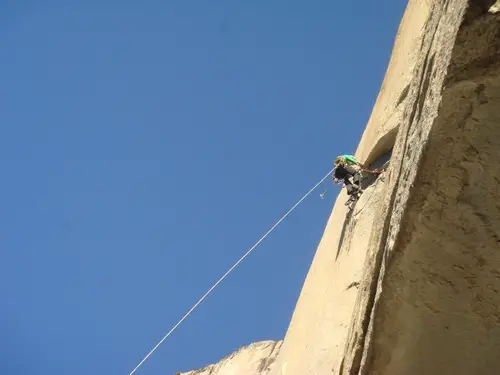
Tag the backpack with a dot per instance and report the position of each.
(345, 160)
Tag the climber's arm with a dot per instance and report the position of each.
(373, 171)
(363, 167)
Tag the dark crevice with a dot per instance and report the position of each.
(403, 95)
(358, 354)
(354, 284)
(382, 162)
(446, 5)
(476, 9)
(424, 84)
(384, 145)
(429, 67)
(269, 360)
(341, 369)
(346, 225)
(262, 365)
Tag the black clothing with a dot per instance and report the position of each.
(341, 173)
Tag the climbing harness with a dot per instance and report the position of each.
(353, 198)
(229, 271)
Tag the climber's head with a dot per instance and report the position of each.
(338, 161)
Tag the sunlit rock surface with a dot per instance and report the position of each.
(408, 283)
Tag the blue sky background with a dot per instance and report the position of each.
(145, 146)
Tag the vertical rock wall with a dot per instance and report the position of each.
(433, 305)
(408, 283)
(320, 327)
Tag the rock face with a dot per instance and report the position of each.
(253, 359)
(408, 283)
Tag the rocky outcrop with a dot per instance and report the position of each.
(432, 300)
(253, 359)
(408, 282)
(425, 253)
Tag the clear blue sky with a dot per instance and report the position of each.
(145, 146)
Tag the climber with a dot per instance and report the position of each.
(347, 166)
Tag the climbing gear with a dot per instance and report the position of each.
(351, 159)
(353, 198)
(344, 160)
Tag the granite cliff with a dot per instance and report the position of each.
(256, 358)
(410, 283)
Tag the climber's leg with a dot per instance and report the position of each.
(357, 180)
(349, 186)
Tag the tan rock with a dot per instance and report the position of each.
(433, 305)
(428, 300)
(495, 7)
(253, 359)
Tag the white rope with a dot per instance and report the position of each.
(229, 271)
